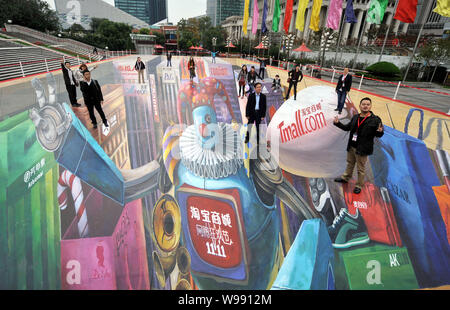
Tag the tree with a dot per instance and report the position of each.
(35, 14)
(435, 53)
(76, 28)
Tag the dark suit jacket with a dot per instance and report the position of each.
(251, 103)
(142, 66)
(91, 93)
(67, 77)
(348, 83)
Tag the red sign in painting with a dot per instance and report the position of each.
(214, 230)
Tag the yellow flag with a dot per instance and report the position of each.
(300, 21)
(442, 8)
(246, 15)
(315, 16)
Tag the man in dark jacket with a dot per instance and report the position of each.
(71, 83)
(343, 86)
(255, 111)
(140, 67)
(363, 127)
(93, 97)
(251, 78)
(295, 76)
(262, 68)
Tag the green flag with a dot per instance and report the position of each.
(375, 12)
(276, 16)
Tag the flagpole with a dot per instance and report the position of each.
(360, 38)
(387, 31)
(340, 36)
(427, 12)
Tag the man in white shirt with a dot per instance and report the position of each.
(255, 111)
(343, 86)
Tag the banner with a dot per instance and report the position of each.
(288, 15)
(276, 16)
(376, 10)
(334, 14)
(300, 21)
(350, 13)
(263, 23)
(255, 17)
(246, 14)
(406, 11)
(315, 16)
(442, 8)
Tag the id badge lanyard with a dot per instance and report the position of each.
(355, 135)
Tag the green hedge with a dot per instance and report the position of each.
(383, 69)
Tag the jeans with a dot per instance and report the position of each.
(289, 90)
(261, 72)
(341, 99)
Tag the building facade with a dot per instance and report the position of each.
(219, 10)
(82, 11)
(349, 31)
(149, 11)
(434, 23)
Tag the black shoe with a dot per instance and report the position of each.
(357, 190)
(340, 180)
(246, 139)
(95, 126)
(340, 112)
(106, 124)
(76, 105)
(336, 109)
(295, 99)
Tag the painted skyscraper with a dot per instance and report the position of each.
(219, 10)
(149, 11)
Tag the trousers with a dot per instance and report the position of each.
(98, 107)
(360, 161)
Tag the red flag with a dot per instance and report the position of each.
(406, 11)
(288, 15)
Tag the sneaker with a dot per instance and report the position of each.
(348, 230)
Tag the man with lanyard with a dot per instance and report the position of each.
(255, 111)
(363, 127)
(343, 86)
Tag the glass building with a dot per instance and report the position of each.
(149, 11)
(219, 10)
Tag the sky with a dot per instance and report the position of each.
(177, 9)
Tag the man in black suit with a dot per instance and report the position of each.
(343, 86)
(255, 111)
(295, 76)
(93, 97)
(71, 83)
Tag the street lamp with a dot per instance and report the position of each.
(214, 42)
(9, 21)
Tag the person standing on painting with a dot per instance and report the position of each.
(83, 67)
(276, 84)
(71, 83)
(262, 68)
(191, 67)
(343, 86)
(140, 67)
(363, 127)
(295, 76)
(242, 77)
(255, 111)
(169, 59)
(213, 54)
(251, 78)
(93, 98)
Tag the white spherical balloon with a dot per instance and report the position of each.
(303, 138)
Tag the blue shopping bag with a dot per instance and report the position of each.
(402, 164)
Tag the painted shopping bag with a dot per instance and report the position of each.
(402, 164)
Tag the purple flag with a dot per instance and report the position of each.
(334, 14)
(350, 13)
(263, 24)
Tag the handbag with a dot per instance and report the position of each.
(402, 164)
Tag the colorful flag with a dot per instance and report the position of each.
(276, 16)
(376, 10)
(334, 14)
(246, 15)
(406, 11)
(315, 15)
(300, 21)
(350, 13)
(263, 23)
(288, 15)
(255, 16)
(442, 8)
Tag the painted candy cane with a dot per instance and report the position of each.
(67, 180)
